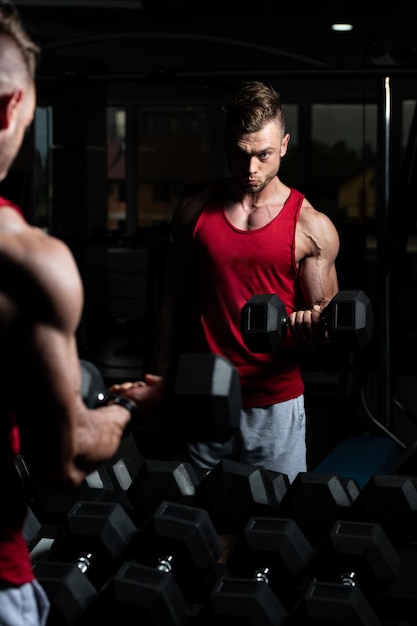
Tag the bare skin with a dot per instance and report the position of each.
(41, 300)
(256, 196)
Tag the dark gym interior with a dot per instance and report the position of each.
(129, 120)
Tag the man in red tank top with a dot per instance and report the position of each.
(245, 235)
(42, 414)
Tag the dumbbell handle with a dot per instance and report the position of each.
(347, 318)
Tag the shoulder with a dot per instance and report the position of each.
(52, 258)
(42, 267)
(187, 212)
(317, 228)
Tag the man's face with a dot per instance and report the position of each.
(254, 158)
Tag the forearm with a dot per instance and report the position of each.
(318, 284)
(98, 436)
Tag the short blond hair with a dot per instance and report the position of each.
(13, 31)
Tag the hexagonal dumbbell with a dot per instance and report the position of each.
(348, 320)
(84, 555)
(278, 544)
(173, 566)
(316, 501)
(234, 491)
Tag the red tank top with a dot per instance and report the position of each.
(233, 265)
(15, 561)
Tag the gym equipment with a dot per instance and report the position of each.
(103, 531)
(109, 483)
(234, 491)
(83, 557)
(247, 601)
(157, 481)
(20, 483)
(333, 603)
(141, 594)
(277, 484)
(361, 549)
(206, 404)
(69, 590)
(206, 398)
(203, 403)
(360, 457)
(279, 544)
(316, 501)
(348, 320)
(182, 531)
(187, 535)
(32, 529)
(391, 501)
(94, 391)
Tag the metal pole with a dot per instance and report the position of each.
(384, 301)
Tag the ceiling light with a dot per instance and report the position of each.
(342, 27)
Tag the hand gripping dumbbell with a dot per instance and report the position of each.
(205, 383)
(348, 320)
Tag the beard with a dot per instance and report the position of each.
(259, 187)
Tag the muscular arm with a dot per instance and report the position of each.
(319, 241)
(317, 247)
(62, 439)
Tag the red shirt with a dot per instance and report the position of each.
(15, 561)
(232, 265)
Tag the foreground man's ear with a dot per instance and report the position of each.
(8, 104)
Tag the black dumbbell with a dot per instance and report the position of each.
(186, 532)
(159, 480)
(81, 559)
(348, 319)
(205, 398)
(316, 501)
(364, 551)
(203, 403)
(187, 535)
(342, 603)
(389, 500)
(69, 590)
(234, 491)
(169, 566)
(363, 555)
(94, 391)
(279, 544)
(249, 601)
(108, 483)
(143, 594)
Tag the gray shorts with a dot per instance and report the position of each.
(273, 437)
(25, 605)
